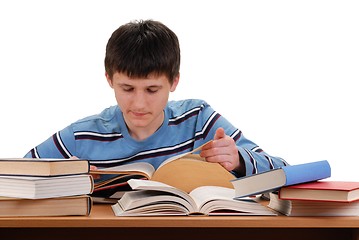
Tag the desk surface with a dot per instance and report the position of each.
(102, 217)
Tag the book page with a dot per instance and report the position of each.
(204, 194)
(213, 200)
(137, 168)
(189, 173)
(141, 201)
(186, 154)
(159, 186)
(142, 168)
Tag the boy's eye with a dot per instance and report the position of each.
(152, 90)
(127, 89)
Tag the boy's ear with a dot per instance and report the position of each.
(109, 80)
(175, 83)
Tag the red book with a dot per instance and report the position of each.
(337, 191)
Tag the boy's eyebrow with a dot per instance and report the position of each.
(150, 86)
(125, 85)
(155, 86)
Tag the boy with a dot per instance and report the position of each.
(142, 65)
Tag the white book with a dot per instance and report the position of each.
(151, 198)
(45, 187)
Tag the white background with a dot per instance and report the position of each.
(283, 72)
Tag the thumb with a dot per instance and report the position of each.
(219, 134)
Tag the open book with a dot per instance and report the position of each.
(185, 171)
(152, 198)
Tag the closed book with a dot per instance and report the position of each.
(274, 179)
(45, 187)
(63, 206)
(338, 191)
(42, 167)
(313, 208)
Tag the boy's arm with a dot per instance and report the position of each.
(59, 145)
(232, 150)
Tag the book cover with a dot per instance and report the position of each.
(42, 166)
(341, 191)
(284, 176)
(62, 206)
(152, 198)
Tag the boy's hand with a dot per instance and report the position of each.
(94, 168)
(222, 150)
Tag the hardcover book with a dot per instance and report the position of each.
(274, 179)
(45, 187)
(313, 208)
(42, 166)
(62, 206)
(337, 191)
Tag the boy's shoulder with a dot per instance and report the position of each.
(179, 107)
(106, 115)
(186, 103)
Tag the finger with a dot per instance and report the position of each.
(93, 167)
(227, 165)
(218, 158)
(219, 144)
(219, 134)
(216, 151)
(95, 176)
(223, 160)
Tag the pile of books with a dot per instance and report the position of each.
(319, 198)
(302, 190)
(45, 187)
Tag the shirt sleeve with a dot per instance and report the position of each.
(255, 159)
(59, 145)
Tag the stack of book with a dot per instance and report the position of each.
(302, 190)
(319, 198)
(45, 187)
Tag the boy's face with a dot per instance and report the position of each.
(142, 101)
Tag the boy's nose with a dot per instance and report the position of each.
(139, 100)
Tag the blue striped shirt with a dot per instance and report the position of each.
(104, 139)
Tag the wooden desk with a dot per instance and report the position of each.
(102, 224)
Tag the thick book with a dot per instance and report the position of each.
(62, 206)
(152, 198)
(312, 208)
(337, 191)
(45, 187)
(42, 167)
(274, 179)
(185, 171)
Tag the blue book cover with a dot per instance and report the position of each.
(274, 179)
(306, 172)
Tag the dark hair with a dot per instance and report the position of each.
(141, 48)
